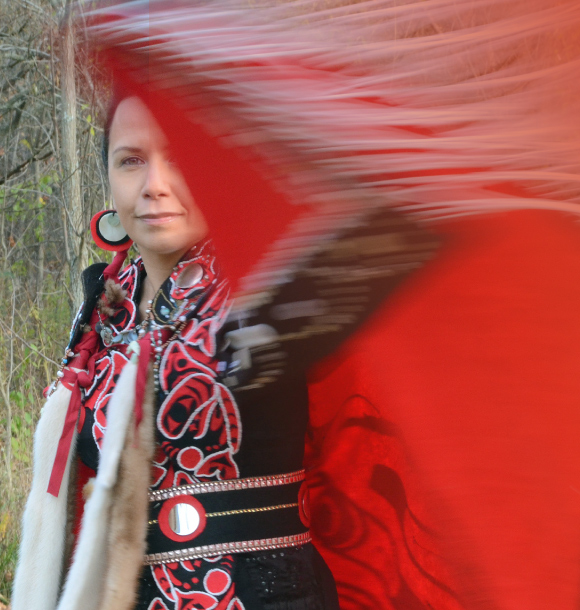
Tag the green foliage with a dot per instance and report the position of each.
(8, 553)
(22, 429)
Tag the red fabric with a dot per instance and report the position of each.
(145, 355)
(75, 380)
(447, 434)
(82, 375)
(84, 473)
(221, 175)
(112, 269)
(445, 437)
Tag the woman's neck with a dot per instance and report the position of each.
(158, 268)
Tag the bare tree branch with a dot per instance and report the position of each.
(19, 168)
(24, 342)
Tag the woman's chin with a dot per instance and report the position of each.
(166, 246)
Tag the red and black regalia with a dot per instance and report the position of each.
(232, 404)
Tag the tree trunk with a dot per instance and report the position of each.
(77, 251)
(40, 231)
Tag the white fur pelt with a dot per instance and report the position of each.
(40, 561)
(109, 553)
(84, 583)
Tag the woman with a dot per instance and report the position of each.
(160, 215)
(228, 398)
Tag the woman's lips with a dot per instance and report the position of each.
(158, 219)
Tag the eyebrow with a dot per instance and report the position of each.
(134, 149)
(130, 149)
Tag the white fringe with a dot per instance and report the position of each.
(40, 559)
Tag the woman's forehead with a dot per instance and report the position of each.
(134, 125)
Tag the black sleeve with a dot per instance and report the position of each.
(326, 300)
(93, 285)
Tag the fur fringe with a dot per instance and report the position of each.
(129, 512)
(86, 577)
(108, 557)
(41, 556)
(114, 295)
(431, 105)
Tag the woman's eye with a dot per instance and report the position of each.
(131, 161)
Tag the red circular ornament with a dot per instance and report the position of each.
(189, 458)
(194, 520)
(108, 232)
(217, 581)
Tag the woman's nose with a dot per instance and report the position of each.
(157, 180)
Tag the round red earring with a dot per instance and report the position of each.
(108, 232)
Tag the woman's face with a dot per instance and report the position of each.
(149, 193)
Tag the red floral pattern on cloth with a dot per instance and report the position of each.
(107, 371)
(198, 422)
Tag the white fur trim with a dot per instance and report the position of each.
(83, 588)
(40, 558)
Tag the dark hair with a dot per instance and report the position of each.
(116, 99)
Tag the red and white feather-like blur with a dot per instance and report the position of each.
(437, 108)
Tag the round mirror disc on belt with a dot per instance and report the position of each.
(184, 519)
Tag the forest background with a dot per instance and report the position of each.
(51, 183)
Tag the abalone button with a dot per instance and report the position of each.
(190, 276)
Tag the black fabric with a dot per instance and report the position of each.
(93, 285)
(283, 579)
(316, 307)
(321, 305)
(87, 449)
(237, 527)
(286, 579)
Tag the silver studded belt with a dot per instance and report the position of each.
(222, 517)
